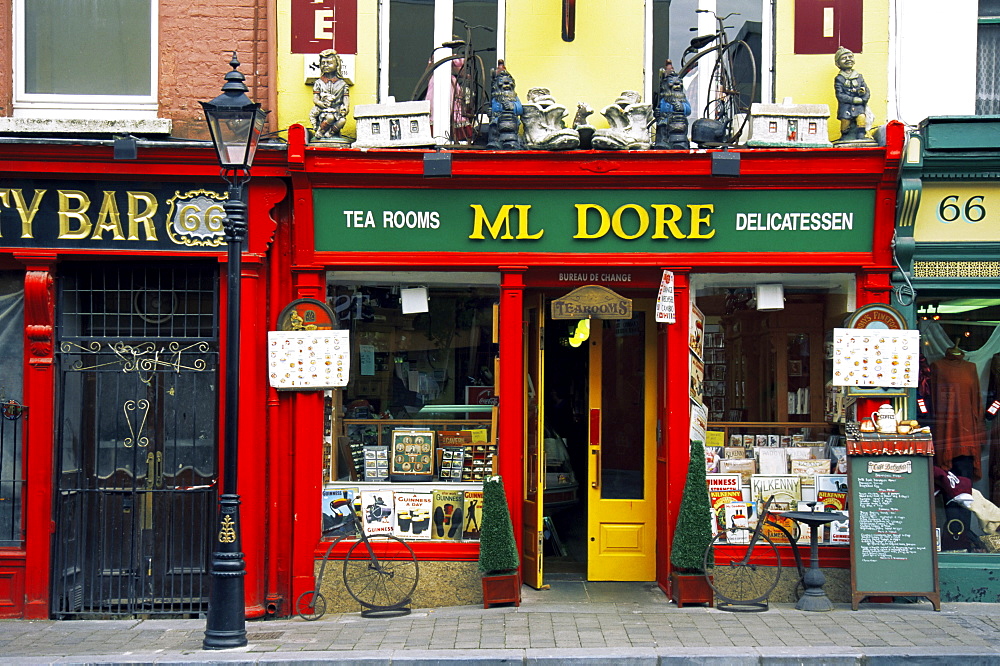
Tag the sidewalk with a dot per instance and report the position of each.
(574, 622)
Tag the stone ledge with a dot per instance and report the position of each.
(49, 126)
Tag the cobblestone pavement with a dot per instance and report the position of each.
(572, 622)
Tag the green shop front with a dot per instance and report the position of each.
(569, 321)
(948, 253)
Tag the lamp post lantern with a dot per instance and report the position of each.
(235, 123)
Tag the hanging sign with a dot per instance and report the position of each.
(592, 301)
(306, 314)
(665, 299)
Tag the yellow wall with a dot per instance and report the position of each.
(605, 58)
(295, 96)
(808, 79)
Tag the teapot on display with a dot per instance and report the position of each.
(885, 419)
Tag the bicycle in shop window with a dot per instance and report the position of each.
(727, 110)
(470, 92)
(380, 572)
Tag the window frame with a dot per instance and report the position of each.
(72, 106)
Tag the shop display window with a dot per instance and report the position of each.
(417, 420)
(958, 396)
(760, 370)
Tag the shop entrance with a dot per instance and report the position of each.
(136, 470)
(597, 436)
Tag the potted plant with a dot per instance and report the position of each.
(692, 536)
(498, 558)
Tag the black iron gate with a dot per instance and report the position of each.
(136, 466)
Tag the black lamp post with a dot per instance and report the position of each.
(235, 123)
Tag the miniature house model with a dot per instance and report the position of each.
(399, 124)
(789, 125)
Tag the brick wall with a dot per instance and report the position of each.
(195, 41)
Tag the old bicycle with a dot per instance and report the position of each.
(727, 110)
(379, 571)
(744, 584)
(470, 87)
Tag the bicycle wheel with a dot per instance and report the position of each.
(311, 605)
(734, 86)
(381, 572)
(742, 583)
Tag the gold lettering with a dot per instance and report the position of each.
(663, 221)
(581, 221)
(522, 223)
(701, 215)
(24, 211)
(494, 227)
(145, 218)
(68, 214)
(616, 221)
(108, 219)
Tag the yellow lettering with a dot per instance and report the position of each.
(581, 221)
(616, 221)
(68, 214)
(663, 221)
(701, 215)
(145, 218)
(24, 211)
(522, 223)
(109, 219)
(494, 227)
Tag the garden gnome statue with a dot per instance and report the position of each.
(671, 112)
(852, 101)
(505, 112)
(628, 124)
(544, 128)
(331, 99)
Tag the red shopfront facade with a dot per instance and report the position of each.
(114, 280)
(503, 239)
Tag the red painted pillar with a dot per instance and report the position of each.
(511, 391)
(677, 420)
(39, 389)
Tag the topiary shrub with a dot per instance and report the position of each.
(693, 532)
(497, 547)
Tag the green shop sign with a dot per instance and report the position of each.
(364, 220)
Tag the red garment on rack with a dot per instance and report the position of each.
(958, 413)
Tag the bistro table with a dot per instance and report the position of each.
(814, 598)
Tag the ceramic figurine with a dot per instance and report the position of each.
(331, 99)
(628, 124)
(671, 112)
(505, 112)
(580, 124)
(544, 128)
(852, 100)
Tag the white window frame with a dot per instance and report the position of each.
(444, 20)
(86, 107)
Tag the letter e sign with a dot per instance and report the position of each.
(823, 26)
(318, 25)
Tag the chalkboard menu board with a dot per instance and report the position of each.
(893, 546)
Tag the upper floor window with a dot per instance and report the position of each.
(85, 58)
(988, 65)
(411, 32)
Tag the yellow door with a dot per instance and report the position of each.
(622, 448)
(534, 459)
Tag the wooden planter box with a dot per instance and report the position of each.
(690, 589)
(502, 589)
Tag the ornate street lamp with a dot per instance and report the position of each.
(235, 123)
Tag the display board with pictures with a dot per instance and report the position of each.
(451, 462)
(303, 360)
(876, 358)
(376, 463)
(412, 455)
